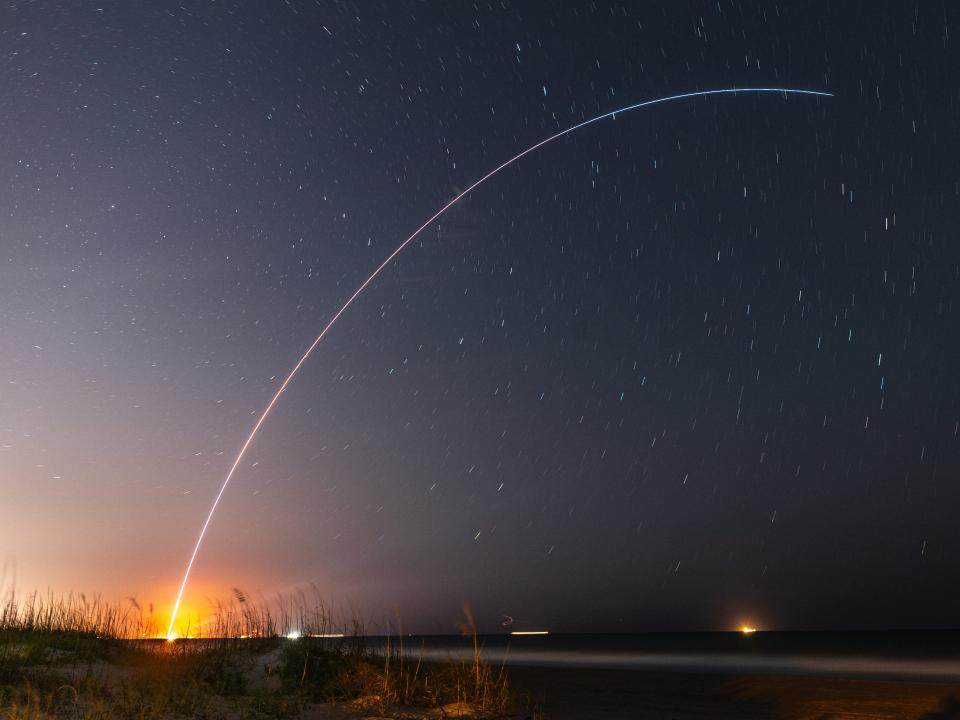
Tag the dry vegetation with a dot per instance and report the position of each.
(76, 657)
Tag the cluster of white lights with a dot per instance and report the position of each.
(296, 635)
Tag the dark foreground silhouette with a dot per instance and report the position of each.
(595, 694)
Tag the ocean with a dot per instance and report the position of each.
(929, 656)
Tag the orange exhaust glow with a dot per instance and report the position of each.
(189, 623)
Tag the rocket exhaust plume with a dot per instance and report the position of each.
(397, 251)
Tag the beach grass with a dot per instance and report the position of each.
(79, 657)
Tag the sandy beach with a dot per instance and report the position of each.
(598, 694)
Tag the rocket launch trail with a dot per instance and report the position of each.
(389, 259)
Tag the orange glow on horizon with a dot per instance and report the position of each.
(189, 624)
(747, 630)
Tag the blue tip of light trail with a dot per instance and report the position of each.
(296, 368)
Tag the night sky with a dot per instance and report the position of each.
(688, 368)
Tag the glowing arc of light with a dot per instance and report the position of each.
(399, 249)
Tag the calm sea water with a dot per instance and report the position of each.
(903, 655)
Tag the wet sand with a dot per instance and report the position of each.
(595, 694)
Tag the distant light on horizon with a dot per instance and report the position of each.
(293, 635)
(747, 630)
(530, 632)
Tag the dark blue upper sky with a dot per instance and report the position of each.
(683, 369)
